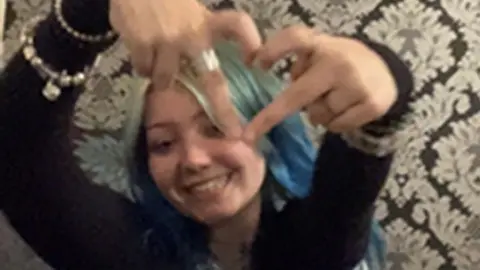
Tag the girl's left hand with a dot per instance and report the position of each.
(338, 81)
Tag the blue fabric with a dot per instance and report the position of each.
(376, 254)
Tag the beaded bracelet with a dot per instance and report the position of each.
(55, 80)
(57, 8)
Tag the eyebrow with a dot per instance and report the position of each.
(162, 124)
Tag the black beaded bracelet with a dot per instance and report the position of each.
(90, 38)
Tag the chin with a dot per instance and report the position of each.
(215, 214)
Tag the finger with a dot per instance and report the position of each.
(319, 114)
(217, 94)
(301, 64)
(213, 83)
(293, 40)
(142, 55)
(298, 95)
(139, 41)
(165, 66)
(353, 118)
(340, 100)
(237, 26)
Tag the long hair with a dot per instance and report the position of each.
(289, 154)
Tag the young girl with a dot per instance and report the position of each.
(203, 200)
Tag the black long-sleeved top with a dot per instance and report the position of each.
(73, 224)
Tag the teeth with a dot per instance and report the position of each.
(210, 185)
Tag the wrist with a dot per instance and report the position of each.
(62, 51)
(88, 17)
(404, 83)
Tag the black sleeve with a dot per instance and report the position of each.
(331, 228)
(69, 222)
(347, 182)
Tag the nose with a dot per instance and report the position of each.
(196, 157)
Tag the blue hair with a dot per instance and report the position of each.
(289, 153)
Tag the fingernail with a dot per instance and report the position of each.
(164, 82)
(248, 137)
(262, 64)
(249, 59)
(257, 63)
(265, 65)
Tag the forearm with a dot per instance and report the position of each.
(367, 166)
(350, 174)
(69, 222)
(27, 119)
(364, 172)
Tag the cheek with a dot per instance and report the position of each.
(162, 174)
(240, 156)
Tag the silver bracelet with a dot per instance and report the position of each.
(55, 80)
(57, 7)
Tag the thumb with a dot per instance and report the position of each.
(239, 27)
(291, 100)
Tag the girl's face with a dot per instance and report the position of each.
(201, 172)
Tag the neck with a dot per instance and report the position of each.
(241, 228)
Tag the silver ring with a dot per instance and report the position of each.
(207, 61)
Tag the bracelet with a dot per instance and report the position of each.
(55, 80)
(57, 7)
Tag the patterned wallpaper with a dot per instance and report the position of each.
(430, 208)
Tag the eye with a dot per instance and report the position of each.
(161, 148)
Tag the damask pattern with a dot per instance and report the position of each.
(430, 208)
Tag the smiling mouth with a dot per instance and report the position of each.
(211, 186)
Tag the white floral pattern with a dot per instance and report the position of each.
(409, 248)
(412, 29)
(458, 162)
(102, 105)
(339, 17)
(102, 157)
(113, 60)
(430, 208)
(269, 15)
